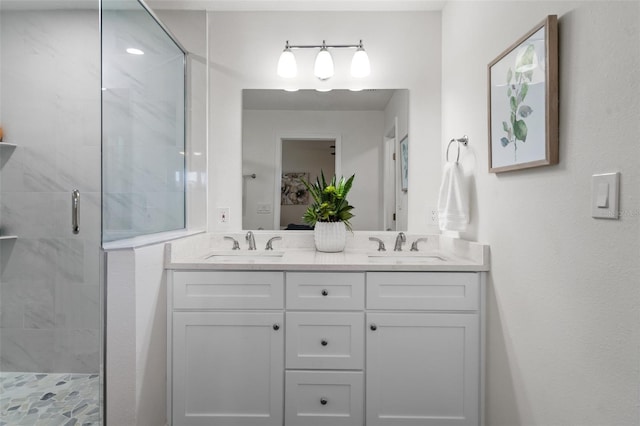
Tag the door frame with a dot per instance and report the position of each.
(278, 163)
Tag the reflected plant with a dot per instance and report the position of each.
(518, 83)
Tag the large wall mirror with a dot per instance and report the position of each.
(287, 136)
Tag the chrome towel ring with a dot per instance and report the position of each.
(461, 141)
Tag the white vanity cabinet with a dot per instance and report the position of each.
(226, 353)
(325, 348)
(423, 350)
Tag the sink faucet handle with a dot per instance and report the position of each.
(400, 239)
(236, 245)
(414, 245)
(269, 245)
(251, 240)
(380, 243)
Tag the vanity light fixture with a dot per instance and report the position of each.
(323, 66)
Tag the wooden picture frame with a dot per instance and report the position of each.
(523, 101)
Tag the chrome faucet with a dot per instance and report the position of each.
(269, 245)
(236, 246)
(251, 240)
(414, 245)
(381, 246)
(400, 239)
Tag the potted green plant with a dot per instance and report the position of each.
(329, 212)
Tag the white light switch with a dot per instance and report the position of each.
(605, 195)
(602, 200)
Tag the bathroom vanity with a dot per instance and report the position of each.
(296, 337)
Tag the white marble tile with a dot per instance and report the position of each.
(26, 350)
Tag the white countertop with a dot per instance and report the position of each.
(295, 252)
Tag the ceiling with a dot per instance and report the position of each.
(312, 100)
(298, 5)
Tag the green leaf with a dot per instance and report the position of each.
(509, 92)
(525, 111)
(529, 75)
(505, 126)
(512, 101)
(520, 130)
(513, 119)
(509, 76)
(504, 141)
(525, 58)
(523, 92)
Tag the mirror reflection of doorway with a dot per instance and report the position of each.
(302, 158)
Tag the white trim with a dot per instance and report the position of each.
(278, 163)
(149, 239)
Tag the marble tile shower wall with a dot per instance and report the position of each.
(143, 128)
(49, 278)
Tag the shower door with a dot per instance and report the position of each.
(50, 185)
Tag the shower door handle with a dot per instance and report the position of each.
(75, 211)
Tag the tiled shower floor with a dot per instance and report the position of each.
(33, 399)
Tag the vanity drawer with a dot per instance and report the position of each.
(325, 290)
(446, 291)
(228, 290)
(324, 398)
(323, 340)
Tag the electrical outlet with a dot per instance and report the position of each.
(223, 214)
(434, 216)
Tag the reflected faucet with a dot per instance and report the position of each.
(251, 240)
(400, 239)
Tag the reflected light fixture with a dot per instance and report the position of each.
(134, 51)
(323, 67)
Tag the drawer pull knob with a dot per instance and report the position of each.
(373, 327)
(323, 342)
(325, 292)
(323, 401)
(276, 327)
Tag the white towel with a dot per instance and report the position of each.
(453, 202)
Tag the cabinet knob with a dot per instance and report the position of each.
(276, 327)
(325, 292)
(323, 401)
(324, 342)
(373, 327)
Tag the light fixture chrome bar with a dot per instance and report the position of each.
(323, 45)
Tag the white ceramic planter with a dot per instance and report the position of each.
(330, 237)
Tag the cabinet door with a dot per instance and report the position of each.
(228, 368)
(422, 369)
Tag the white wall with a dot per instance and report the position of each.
(564, 289)
(361, 134)
(404, 49)
(136, 356)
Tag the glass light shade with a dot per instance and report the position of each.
(323, 68)
(287, 67)
(360, 66)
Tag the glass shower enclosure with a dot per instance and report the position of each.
(92, 150)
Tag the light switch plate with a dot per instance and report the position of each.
(605, 196)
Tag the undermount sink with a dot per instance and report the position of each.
(404, 257)
(245, 256)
